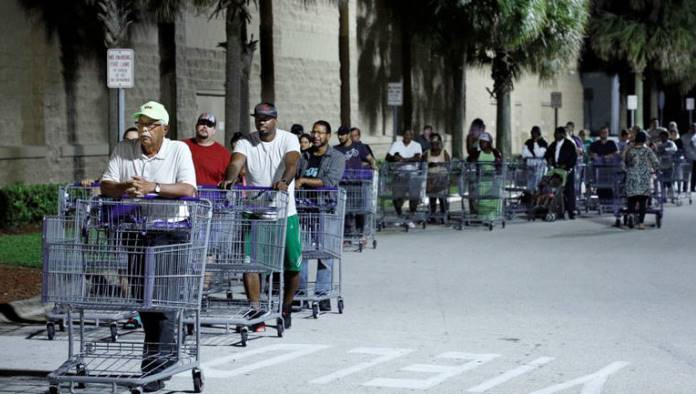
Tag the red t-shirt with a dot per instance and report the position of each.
(210, 162)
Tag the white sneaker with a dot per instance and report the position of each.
(411, 225)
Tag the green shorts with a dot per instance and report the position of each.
(293, 245)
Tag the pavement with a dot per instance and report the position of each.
(566, 307)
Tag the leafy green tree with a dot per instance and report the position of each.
(651, 36)
(539, 36)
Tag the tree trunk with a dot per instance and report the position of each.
(233, 66)
(344, 59)
(166, 40)
(638, 85)
(267, 56)
(249, 47)
(406, 67)
(503, 138)
(458, 71)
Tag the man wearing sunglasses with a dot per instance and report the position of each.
(209, 157)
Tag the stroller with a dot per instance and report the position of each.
(547, 203)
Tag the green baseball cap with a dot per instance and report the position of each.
(153, 110)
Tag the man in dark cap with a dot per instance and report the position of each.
(209, 157)
(270, 158)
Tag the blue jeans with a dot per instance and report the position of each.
(324, 276)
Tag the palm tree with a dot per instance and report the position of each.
(651, 36)
(540, 36)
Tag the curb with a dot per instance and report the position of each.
(30, 310)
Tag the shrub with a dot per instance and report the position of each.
(22, 205)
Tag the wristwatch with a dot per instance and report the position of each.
(157, 188)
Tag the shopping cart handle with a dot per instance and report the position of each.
(253, 188)
(154, 196)
(93, 184)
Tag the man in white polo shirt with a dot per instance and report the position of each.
(405, 151)
(151, 164)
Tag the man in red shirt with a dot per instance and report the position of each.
(209, 158)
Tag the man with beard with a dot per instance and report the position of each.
(209, 157)
(270, 157)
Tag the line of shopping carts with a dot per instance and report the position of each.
(189, 258)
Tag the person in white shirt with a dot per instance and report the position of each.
(405, 151)
(270, 156)
(689, 142)
(151, 164)
(536, 146)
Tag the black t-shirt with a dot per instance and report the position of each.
(312, 170)
(605, 149)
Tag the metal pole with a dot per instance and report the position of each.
(691, 120)
(555, 119)
(395, 122)
(121, 113)
(633, 118)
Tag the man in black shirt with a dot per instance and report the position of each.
(604, 149)
(562, 153)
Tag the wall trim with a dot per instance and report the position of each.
(23, 152)
(84, 150)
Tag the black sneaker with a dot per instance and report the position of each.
(287, 317)
(152, 387)
(325, 305)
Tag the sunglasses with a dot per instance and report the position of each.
(206, 123)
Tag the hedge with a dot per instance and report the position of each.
(22, 205)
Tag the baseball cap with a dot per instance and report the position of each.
(485, 137)
(153, 110)
(207, 116)
(265, 109)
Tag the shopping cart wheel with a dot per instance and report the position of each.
(230, 295)
(113, 327)
(658, 221)
(360, 246)
(197, 380)
(137, 390)
(244, 332)
(490, 227)
(280, 327)
(374, 244)
(315, 310)
(50, 330)
(53, 389)
(424, 225)
(503, 224)
(340, 305)
(61, 326)
(81, 370)
(617, 222)
(189, 329)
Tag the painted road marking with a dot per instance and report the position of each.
(509, 375)
(294, 351)
(386, 355)
(592, 384)
(442, 372)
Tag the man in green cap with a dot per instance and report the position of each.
(151, 164)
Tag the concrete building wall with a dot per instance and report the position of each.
(39, 138)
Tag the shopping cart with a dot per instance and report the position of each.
(523, 177)
(398, 183)
(135, 254)
(655, 206)
(247, 236)
(361, 206)
(481, 186)
(437, 189)
(605, 187)
(321, 213)
(680, 176)
(60, 227)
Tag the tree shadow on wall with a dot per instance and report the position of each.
(379, 62)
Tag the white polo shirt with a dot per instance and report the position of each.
(172, 164)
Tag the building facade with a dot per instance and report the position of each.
(57, 132)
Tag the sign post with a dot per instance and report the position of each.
(661, 105)
(690, 107)
(395, 99)
(556, 103)
(120, 74)
(632, 105)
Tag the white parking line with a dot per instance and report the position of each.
(592, 384)
(509, 375)
(386, 355)
(443, 372)
(295, 351)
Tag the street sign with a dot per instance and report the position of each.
(556, 100)
(120, 68)
(632, 102)
(690, 103)
(395, 93)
